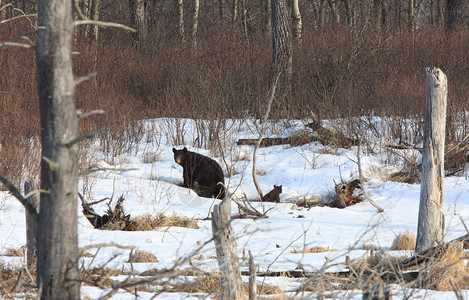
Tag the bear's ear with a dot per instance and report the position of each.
(184, 150)
(174, 150)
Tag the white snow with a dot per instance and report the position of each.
(150, 186)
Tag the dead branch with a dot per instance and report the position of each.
(104, 24)
(261, 134)
(17, 194)
(86, 114)
(81, 79)
(360, 174)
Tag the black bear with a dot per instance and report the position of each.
(201, 173)
(273, 195)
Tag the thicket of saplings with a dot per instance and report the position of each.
(338, 72)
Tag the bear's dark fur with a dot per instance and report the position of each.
(201, 173)
(273, 195)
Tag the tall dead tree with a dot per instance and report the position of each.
(431, 219)
(281, 46)
(57, 248)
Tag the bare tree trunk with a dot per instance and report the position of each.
(95, 16)
(227, 256)
(245, 18)
(234, 15)
(335, 10)
(138, 20)
(180, 9)
(195, 23)
(57, 251)
(268, 21)
(281, 46)
(297, 23)
(431, 222)
(454, 11)
(411, 10)
(31, 223)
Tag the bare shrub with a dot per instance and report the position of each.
(404, 241)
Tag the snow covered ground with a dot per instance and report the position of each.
(149, 185)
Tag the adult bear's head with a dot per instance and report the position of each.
(180, 156)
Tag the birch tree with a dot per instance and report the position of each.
(58, 276)
(297, 23)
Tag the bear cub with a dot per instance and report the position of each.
(201, 173)
(273, 195)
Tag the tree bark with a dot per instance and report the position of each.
(138, 21)
(431, 222)
(281, 46)
(227, 256)
(58, 275)
(31, 223)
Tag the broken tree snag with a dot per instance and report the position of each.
(431, 223)
(227, 256)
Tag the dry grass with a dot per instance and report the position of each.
(148, 222)
(209, 284)
(308, 249)
(98, 276)
(9, 278)
(141, 256)
(404, 241)
(15, 252)
(446, 267)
